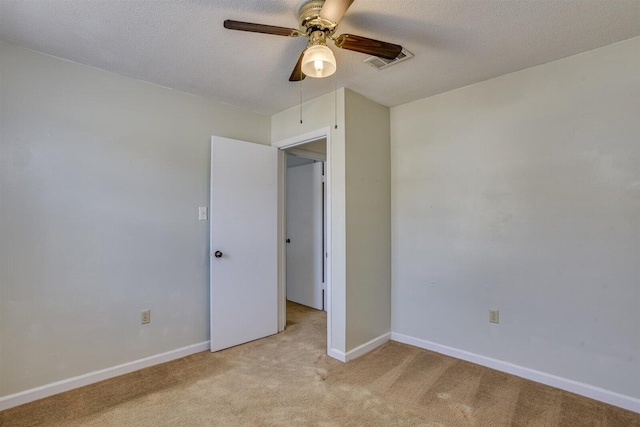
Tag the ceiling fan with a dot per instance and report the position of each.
(318, 22)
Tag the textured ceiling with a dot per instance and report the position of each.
(182, 45)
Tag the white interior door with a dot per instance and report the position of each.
(305, 235)
(243, 238)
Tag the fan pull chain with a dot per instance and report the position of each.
(300, 101)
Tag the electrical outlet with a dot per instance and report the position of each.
(145, 317)
(494, 316)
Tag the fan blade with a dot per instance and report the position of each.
(334, 10)
(297, 74)
(370, 46)
(261, 28)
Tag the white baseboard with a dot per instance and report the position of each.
(367, 347)
(27, 396)
(593, 392)
(337, 354)
(360, 350)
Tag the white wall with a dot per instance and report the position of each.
(522, 193)
(100, 181)
(368, 178)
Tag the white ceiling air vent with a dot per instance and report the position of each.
(381, 63)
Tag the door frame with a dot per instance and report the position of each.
(323, 133)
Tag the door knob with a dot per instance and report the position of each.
(218, 254)
(288, 240)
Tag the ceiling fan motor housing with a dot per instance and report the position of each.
(311, 22)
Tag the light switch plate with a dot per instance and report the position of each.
(145, 316)
(203, 213)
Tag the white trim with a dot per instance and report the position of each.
(304, 138)
(282, 262)
(367, 347)
(593, 392)
(360, 350)
(329, 253)
(282, 250)
(306, 154)
(337, 354)
(47, 390)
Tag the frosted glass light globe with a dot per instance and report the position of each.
(318, 61)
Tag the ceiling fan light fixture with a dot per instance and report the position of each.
(317, 22)
(318, 61)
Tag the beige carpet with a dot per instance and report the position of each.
(288, 380)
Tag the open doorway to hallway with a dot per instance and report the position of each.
(305, 227)
(314, 145)
(305, 223)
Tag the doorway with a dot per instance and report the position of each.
(305, 225)
(314, 146)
